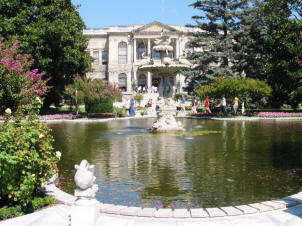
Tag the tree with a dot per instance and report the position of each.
(19, 86)
(213, 40)
(96, 94)
(52, 32)
(248, 89)
(249, 41)
(282, 48)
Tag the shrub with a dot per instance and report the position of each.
(19, 86)
(103, 107)
(40, 202)
(121, 112)
(15, 211)
(92, 92)
(248, 89)
(9, 212)
(27, 160)
(138, 98)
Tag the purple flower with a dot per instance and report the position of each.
(38, 91)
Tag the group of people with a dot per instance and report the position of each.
(132, 105)
(223, 105)
(207, 103)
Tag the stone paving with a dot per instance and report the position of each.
(59, 215)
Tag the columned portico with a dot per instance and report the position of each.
(120, 50)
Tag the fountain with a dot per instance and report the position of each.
(166, 68)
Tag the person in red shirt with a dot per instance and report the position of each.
(207, 105)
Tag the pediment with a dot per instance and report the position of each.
(155, 27)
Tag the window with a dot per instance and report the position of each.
(122, 53)
(142, 81)
(155, 55)
(95, 55)
(122, 82)
(140, 50)
(104, 57)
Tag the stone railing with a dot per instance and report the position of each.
(85, 209)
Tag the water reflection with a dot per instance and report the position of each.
(246, 162)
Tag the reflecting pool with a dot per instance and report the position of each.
(213, 163)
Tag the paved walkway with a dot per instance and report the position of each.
(59, 215)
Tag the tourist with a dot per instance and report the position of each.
(223, 105)
(242, 108)
(183, 102)
(235, 106)
(207, 106)
(139, 89)
(131, 108)
(194, 105)
(149, 104)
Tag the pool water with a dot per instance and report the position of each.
(213, 163)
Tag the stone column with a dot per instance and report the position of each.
(177, 48)
(149, 47)
(149, 80)
(135, 76)
(134, 50)
(129, 86)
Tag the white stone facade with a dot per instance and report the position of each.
(119, 51)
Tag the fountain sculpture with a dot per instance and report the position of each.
(166, 68)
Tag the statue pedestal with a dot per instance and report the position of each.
(85, 212)
(166, 121)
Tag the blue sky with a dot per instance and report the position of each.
(105, 13)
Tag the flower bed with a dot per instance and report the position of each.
(199, 114)
(278, 114)
(57, 116)
(101, 115)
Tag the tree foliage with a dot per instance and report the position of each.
(27, 158)
(249, 39)
(245, 88)
(91, 92)
(262, 41)
(282, 48)
(19, 86)
(52, 32)
(213, 40)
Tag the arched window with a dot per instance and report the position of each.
(188, 48)
(122, 82)
(122, 53)
(140, 50)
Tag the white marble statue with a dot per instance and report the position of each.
(165, 117)
(183, 60)
(145, 59)
(84, 179)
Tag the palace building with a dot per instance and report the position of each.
(118, 52)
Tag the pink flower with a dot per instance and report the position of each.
(38, 91)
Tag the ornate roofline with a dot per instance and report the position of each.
(155, 23)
